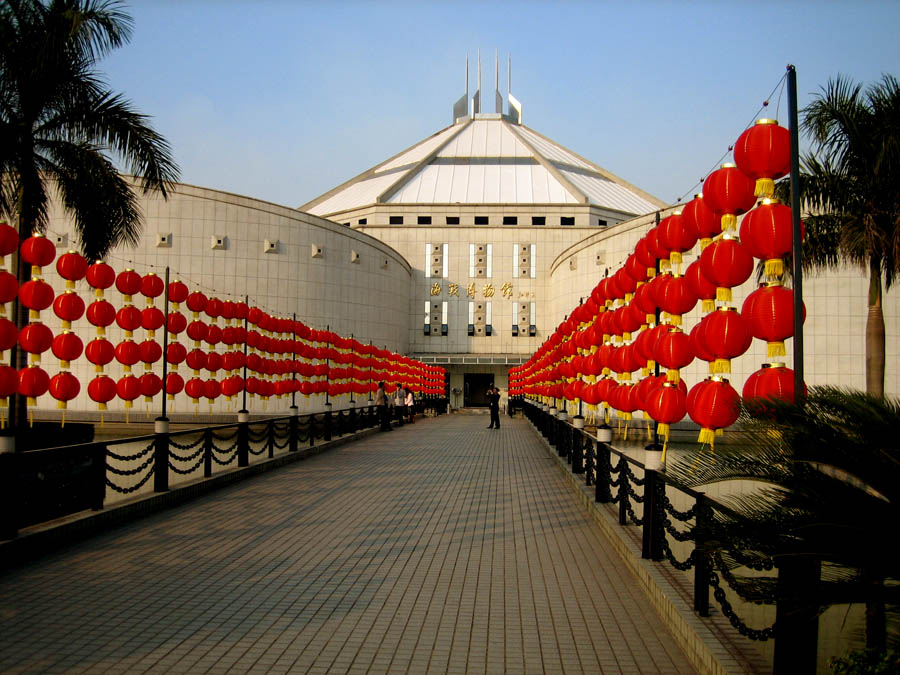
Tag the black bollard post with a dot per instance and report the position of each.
(243, 446)
(701, 561)
(161, 456)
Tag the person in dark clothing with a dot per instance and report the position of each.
(381, 405)
(493, 398)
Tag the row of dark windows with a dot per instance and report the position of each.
(483, 220)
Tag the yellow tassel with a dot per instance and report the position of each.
(627, 417)
(765, 187)
(775, 349)
(63, 420)
(625, 434)
(775, 267)
(708, 306)
(675, 258)
(729, 221)
(673, 375)
(707, 437)
(675, 319)
(706, 241)
(645, 371)
(663, 430)
(721, 366)
(723, 294)
(30, 418)
(664, 265)
(626, 337)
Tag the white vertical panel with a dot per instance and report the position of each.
(490, 261)
(515, 261)
(428, 261)
(443, 182)
(446, 261)
(508, 186)
(427, 312)
(444, 312)
(471, 312)
(533, 261)
(475, 189)
(488, 318)
(540, 184)
(533, 322)
(515, 313)
(490, 183)
(524, 193)
(471, 261)
(459, 185)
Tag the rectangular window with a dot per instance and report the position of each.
(515, 261)
(423, 220)
(471, 261)
(362, 221)
(532, 327)
(567, 220)
(601, 222)
(510, 220)
(490, 261)
(533, 271)
(395, 220)
(446, 248)
(481, 220)
(538, 220)
(488, 318)
(453, 220)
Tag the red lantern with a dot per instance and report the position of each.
(72, 267)
(37, 250)
(9, 240)
(129, 319)
(64, 387)
(666, 405)
(35, 338)
(36, 295)
(674, 296)
(100, 276)
(128, 353)
(703, 288)
(178, 292)
(99, 351)
(196, 331)
(212, 389)
(128, 388)
(772, 381)
(175, 353)
(150, 385)
(152, 286)
(9, 378)
(9, 287)
(770, 316)
(174, 385)
(768, 233)
(68, 307)
(674, 351)
(714, 405)
(196, 360)
(67, 347)
(128, 283)
(213, 362)
(676, 236)
(101, 313)
(725, 335)
(102, 390)
(729, 192)
(152, 319)
(33, 382)
(9, 334)
(213, 335)
(196, 302)
(150, 351)
(213, 308)
(726, 263)
(700, 218)
(176, 323)
(763, 152)
(194, 389)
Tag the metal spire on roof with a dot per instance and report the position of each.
(515, 108)
(460, 108)
(498, 99)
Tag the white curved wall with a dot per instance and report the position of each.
(368, 298)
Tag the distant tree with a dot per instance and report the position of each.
(850, 192)
(61, 127)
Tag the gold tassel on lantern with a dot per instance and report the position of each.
(723, 294)
(729, 221)
(707, 437)
(721, 366)
(776, 349)
(673, 375)
(708, 306)
(765, 188)
(774, 268)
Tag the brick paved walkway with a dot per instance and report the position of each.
(440, 547)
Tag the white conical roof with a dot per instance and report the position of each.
(485, 159)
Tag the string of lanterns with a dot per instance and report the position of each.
(593, 355)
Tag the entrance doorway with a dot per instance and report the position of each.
(475, 386)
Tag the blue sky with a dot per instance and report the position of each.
(283, 100)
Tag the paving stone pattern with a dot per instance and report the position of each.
(440, 547)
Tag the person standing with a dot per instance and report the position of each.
(381, 405)
(494, 407)
(400, 404)
(410, 406)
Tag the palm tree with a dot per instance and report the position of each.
(850, 187)
(61, 127)
(830, 470)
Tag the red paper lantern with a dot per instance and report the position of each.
(129, 318)
(150, 351)
(33, 382)
(726, 263)
(701, 219)
(128, 388)
(674, 296)
(196, 302)
(676, 236)
(100, 351)
(9, 334)
(213, 335)
(725, 336)
(213, 362)
(72, 267)
(196, 331)
(770, 316)
(176, 323)
(667, 405)
(35, 338)
(102, 390)
(152, 319)
(175, 353)
(38, 250)
(68, 307)
(674, 351)
(700, 286)
(212, 389)
(768, 233)
(178, 292)
(64, 387)
(128, 283)
(9, 240)
(635, 269)
(763, 152)
(128, 353)
(9, 377)
(194, 388)
(196, 359)
(214, 308)
(174, 384)
(9, 287)
(100, 276)
(234, 385)
(714, 405)
(152, 286)
(36, 294)
(772, 381)
(150, 385)
(730, 192)
(101, 313)
(67, 347)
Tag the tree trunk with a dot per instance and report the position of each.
(875, 335)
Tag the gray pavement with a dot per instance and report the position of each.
(440, 547)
